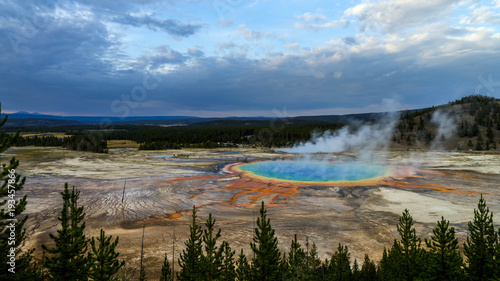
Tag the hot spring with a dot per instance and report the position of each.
(310, 171)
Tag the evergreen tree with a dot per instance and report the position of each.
(190, 258)
(408, 248)
(103, 258)
(479, 248)
(296, 259)
(314, 260)
(368, 270)
(14, 265)
(479, 144)
(385, 267)
(69, 260)
(356, 272)
(166, 271)
(211, 261)
(340, 264)
(243, 269)
(228, 271)
(266, 264)
(445, 262)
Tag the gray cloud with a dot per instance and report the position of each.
(73, 64)
(169, 26)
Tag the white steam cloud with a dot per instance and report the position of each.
(446, 128)
(364, 139)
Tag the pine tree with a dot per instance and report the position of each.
(479, 248)
(190, 258)
(166, 271)
(266, 264)
(368, 270)
(69, 260)
(14, 265)
(356, 272)
(243, 269)
(340, 264)
(103, 258)
(314, 261)
(228, 271)
(408, 248)
(211, 261)
(295, 261)
(445, 262)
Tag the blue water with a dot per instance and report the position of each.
(313, 171)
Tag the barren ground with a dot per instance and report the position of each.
(162, 186)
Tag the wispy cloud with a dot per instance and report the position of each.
(169, 26)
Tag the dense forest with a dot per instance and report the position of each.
(477, 120)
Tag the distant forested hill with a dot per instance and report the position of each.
(471, 123)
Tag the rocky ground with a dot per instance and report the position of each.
(162, 186)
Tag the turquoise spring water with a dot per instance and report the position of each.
(314, 171)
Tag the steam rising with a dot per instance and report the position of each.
(365, 138)
(446, 127)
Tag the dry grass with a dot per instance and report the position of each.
(122, 144)
(57, 135)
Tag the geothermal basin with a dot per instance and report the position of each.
(321, 200)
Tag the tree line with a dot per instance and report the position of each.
(91, 142)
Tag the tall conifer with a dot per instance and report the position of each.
(103, 258)
(408, 248)
(211, 260)
(166, 271)
(16, 264)
(479, 248)
(228, 270)
(68, 260)
(266, 264)
(190, 258)
(445, 262)
(243, 268)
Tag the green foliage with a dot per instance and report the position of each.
(368, 270)
(68, 260)
(103, 259)
(166, 271)
(15, 264)
(444, 260)
(481, 244)
(243, 268)
(314, 261)
(339, 268)
(211, 261)
(228, 270)
(295, 266)
(91, 142)
(404, 260)
(266, 264)
(190, 258)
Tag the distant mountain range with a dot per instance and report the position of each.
(26, 119)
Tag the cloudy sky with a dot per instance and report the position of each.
(244, 57)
